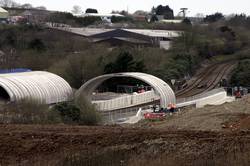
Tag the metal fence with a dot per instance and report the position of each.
(126, 101)
(113, 117)
(243, 90)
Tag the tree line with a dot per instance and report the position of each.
(13, 4)
(77, 60)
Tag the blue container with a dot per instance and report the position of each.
(18, 70)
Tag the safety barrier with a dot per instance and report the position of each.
(127, 101)
(202, 95)
(214, 97)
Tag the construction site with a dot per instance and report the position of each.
(145, 120)
(214, 135)
(204, 129)
(146, 88)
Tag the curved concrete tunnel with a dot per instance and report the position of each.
(160, 87)
(40, 86)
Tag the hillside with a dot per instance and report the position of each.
(68, 55)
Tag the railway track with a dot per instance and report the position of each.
(194, 84)
(206, 81)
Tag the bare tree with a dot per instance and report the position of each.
(6, 3)
(27, 6)
(41, 8)
(140, 13)
(76, 9)
(15, 5)
(199, 15)
(8, 58)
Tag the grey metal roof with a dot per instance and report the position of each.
(130, 40)
(145, 32)
(156, 33)
(88, 31)
(43, 87)
(162, 88)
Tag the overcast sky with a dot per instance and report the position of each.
(106, 6)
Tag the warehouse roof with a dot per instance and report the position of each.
(133, 32)
(88, 31)
(93, 32)
(40, 86)
(130, 40)
(156, 33)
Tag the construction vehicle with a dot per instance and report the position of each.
(160, 114)
(238, 94)
(154, 116)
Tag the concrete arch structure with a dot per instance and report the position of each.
(43, 87)
(161, 88)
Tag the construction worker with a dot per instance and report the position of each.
(154, 108)
(171, 107)
(161, 110)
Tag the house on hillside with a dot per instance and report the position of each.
(32, 15)
(104, 17)
(136, 37)
(160, 18)
(4, 14)
(141, 18)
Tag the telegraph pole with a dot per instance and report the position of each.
(184, 11)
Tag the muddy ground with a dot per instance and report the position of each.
(214, 135)
(232, 116)
(61, 145)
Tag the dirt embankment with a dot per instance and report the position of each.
(215, 135)
(55, 145)
(230, 116)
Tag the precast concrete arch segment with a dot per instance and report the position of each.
(43, 87)
(162, 88)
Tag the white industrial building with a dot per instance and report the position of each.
(122, 36)
(104, 17)
(4, 14)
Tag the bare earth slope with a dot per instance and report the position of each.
(214, 118)
(44, 145)
(224, 140)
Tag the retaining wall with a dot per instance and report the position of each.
(215, 97)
